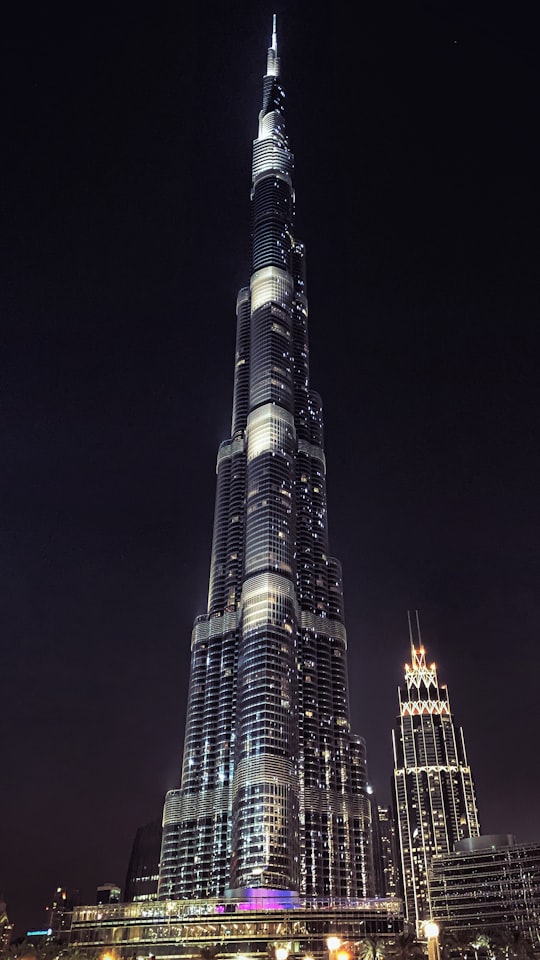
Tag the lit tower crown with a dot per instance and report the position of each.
(273, 790)
(433, 784)
(423, 691)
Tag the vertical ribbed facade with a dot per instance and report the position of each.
(273, 790)
(433, 785)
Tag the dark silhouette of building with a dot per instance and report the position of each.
(6, 930)
(108, 893)
(60, 911)
(143, 869)
(385, 852)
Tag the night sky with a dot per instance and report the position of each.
(127, 152)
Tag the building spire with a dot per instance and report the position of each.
(272, 60)
(411, 638)
(418, 654)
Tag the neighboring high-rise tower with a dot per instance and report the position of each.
(434, 789)
(385, 853)
(273, 790)
(143, 868)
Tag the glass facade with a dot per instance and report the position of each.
(385, 855)
(143, 869)
(251, 927)
(489, 884)
(273, 789)
(434, 791)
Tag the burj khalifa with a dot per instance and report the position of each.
(273, 790)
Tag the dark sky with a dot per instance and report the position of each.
(127, 137)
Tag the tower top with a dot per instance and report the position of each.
(272, 60)
(411, 637)
(418, 671)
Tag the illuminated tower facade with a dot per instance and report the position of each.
(433, 785)
(273, 788)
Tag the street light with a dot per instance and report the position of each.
(333, 943)
(282, 953)
(431, 931)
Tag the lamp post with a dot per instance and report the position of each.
(333, 943)
(431, 930)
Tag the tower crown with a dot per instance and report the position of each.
(418, 672)
(422, 687)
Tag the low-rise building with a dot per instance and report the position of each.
(488, 884)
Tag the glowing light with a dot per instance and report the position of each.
(333, 943)
(282, 953)
(431, 929)
(270, 284)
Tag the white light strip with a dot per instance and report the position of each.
(271, 285)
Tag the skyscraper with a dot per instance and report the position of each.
(273, 787)
(433, 785)
(143, 868)
(385, 855)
